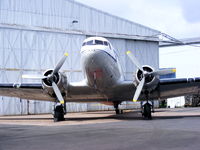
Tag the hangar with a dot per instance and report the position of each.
(35, 34)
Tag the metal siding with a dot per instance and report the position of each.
(60, 14)
(146, 52)
(120, 48)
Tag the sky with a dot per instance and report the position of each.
(177, 18)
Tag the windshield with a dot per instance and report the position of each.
(96, 42)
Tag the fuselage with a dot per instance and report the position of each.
(100, 63)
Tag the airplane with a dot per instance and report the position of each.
(104, 82)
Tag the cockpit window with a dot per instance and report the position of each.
(84, 44)
(98, 42)
(105, 43)
(109, 45)
(90, 43)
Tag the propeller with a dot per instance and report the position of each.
(60, 63)
(145, 74)
(138, 90)
(54, 85)
(141, 84)
(134, 60)
(50, 78)
(58, 93)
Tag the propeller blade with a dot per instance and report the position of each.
(60, 63)
(134, 60)
(139, 90)
(27, 76)
(58, 93)
(163, 72)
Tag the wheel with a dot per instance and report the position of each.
(117, 111)
(147, 111)
(59, 113)
(116, 106)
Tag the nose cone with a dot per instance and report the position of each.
(93, 59)
(100, 69)
(97, 58)
(93, 66)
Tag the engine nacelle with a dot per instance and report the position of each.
(59, 78)
(150, 79)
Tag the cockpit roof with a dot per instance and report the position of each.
(95, 38)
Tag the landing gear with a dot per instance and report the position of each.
(117, 110)
(146, 111)
(59, 112)
(153, 110)
(147, 107)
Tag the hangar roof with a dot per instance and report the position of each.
(70, 16)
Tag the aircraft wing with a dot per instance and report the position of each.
(165, 88)
(178, 87)
(76, 92)
(31, 91)
(81, 92)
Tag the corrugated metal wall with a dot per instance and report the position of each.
(146, 52)
(26, 50)
(61, 13)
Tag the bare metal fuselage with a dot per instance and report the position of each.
(101, 69)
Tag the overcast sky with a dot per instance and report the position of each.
(178, 18)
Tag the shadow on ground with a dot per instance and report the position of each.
(136, 115)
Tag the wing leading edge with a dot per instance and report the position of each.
(31, 91)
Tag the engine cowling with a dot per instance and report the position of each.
(59, 78)
(150, 79)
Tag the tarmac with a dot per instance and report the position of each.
(174, 129)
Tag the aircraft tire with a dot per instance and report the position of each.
(117, 111)
(147, 111)
(59, 114)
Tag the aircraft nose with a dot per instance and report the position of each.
(94, 59)
(90, 53)
(89, 56)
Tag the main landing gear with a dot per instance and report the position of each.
(147, 107)
(146, 110)
(117, 110)
(59, 111)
